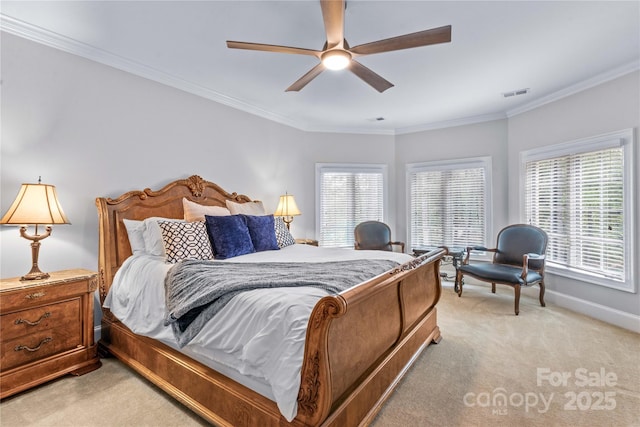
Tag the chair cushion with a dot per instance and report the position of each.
(500, 273)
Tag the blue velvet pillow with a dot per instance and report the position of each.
(262, 232)
(229, 236)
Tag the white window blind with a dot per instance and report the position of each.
(448, 203)
(578, 200)
(580, 195)
(348, 195)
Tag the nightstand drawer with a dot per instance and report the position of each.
(64, 314)
(28, 348)
(38, 295)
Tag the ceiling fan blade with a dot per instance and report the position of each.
(333, 16)
(272, 48)
(369, 77)
(421, 38)
(304, 80)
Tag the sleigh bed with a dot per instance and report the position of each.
(357, 344)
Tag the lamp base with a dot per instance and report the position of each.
(288, 220)
(35, 275)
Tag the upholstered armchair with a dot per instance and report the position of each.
(375, 235)
(518, 260)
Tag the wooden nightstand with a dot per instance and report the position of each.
(311, 242)
(46, 329)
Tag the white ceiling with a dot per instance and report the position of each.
(551, 47)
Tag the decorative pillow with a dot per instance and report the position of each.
(153, 235)
(249, 208)
(262, 232)
(229, 236)
(185, 240)
(135, 232)
(195, 212)
(283, 236)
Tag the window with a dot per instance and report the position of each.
(449, 202)
(580, 194)
(348, 195)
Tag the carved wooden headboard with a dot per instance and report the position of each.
(114, 245)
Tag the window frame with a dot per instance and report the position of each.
(351, 168)
(618, 139)
(484, 162)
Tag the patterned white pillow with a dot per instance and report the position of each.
(185, 240)
(283, 235)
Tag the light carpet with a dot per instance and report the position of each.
(546, 367)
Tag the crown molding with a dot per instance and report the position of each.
(451, 123)
(578, 87)
(69, 45)
(66, 44)
(57, 41)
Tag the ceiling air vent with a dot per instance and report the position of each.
(516, 92)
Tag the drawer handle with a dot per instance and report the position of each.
(24, 347)
(37, 322)
(35, 295)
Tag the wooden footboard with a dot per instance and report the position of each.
(359, 343)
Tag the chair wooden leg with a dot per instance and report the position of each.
(516, 288)
(542, 294)
(459, 282)
(493, 288)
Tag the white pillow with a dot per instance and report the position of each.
(135, 231)
(153, 235)
(196, 212)
(249, 208)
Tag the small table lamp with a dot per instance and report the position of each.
(36, 204)
(287, 209)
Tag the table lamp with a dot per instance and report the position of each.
(287, 209)
(36, 204)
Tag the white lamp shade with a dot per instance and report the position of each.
(287, 206)
(35, 204)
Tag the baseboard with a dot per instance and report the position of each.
(597, 311)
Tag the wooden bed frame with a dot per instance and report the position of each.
(358, 346)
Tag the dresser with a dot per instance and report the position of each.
(46, 329)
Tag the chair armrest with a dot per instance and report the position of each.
(525, 262)
(477, 248)
(401, 244)
(481, 248)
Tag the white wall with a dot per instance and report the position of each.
(609, 107)
(92, 130)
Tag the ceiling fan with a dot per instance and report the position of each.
(337, 54)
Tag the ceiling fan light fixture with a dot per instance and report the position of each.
(336, 59)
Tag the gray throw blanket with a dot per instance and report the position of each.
(196, 290)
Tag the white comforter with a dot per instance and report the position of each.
(257, 338)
